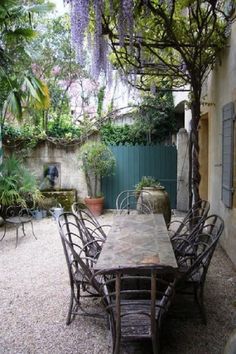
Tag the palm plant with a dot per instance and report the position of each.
(18, 186)
(18, 89)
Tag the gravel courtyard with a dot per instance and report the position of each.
(34, 293)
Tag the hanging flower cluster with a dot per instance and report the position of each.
(126, 21)
(79, 25)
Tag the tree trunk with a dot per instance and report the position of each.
(194, 144)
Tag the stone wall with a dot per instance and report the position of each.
(71, 175)
(220, 90)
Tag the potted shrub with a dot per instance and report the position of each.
(97, 161)
(158, 196)
(146, 182)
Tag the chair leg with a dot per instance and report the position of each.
(69, 315)
(4, 234)
(23, 229)
(33, 230)
(17, 234)
(202, 306)
(116, 344)
(74, 303)
(199, 298)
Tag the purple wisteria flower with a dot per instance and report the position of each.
(79, 25)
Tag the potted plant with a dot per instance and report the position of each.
(159, 198)
(146, 182)
(97, 161)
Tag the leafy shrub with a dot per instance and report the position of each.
(98, 161)
(18, 186)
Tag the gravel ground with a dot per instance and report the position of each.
(34, 292)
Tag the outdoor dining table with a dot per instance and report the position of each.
(137, 240)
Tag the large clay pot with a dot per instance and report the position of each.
(160, 200)
(95, 205)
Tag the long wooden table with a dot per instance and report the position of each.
(135, 241)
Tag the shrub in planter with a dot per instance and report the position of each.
(97, 161)
(157, 195)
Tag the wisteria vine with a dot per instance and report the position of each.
(122, 11)
(80, 10)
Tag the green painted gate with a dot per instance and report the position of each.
(135, 161)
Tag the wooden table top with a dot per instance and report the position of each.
(137, 240)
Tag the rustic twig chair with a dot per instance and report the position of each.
(80, 255)
(18, 216)
(195, 258)
(128, 201)
(192, 221)
(136, 304)
(90, 221)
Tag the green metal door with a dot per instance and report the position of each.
(134, 162)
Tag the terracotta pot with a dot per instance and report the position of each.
(160, 200)
(95, 205)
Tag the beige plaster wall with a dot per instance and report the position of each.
(221, 89)
(72, 175)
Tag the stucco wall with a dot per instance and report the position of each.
(221, 89)
(71, 174)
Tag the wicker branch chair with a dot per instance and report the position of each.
(135, 304)
(191, 222)
(195, 258)
(81, 253)
(18, 216)
(90, 221)
(127, 202)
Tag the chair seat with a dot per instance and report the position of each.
(136, 319)
(18, 219)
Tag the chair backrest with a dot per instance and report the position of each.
(92, 225)
(128, 201)
(199, 250)
(17, 210)
(198, 210)
(79, 261)
(194, 217)
(202, 207)
(135, 300)
(83, 212)
(75, 232)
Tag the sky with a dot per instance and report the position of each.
(60, 7)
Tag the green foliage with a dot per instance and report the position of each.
(146, 181)
(154, 122)
(30, 135)
(18, 186)
(97, 161)
(112, 134)
(63, 129)
(19, 88)
(54, 59)
(100, 97)
(24, 132)
(156, 117)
